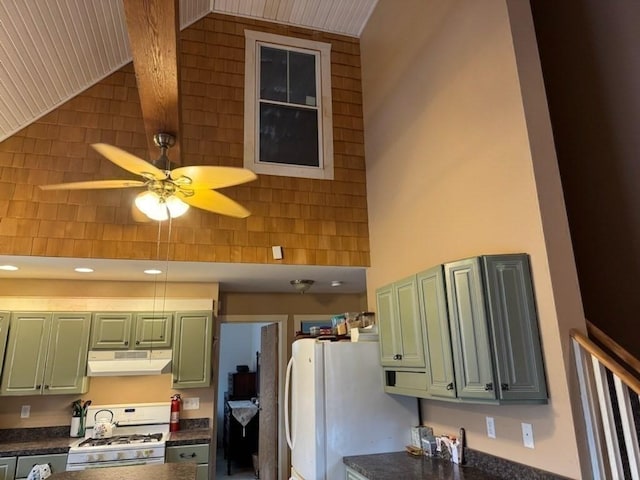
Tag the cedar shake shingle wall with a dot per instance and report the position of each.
(318, 222)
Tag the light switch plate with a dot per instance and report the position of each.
(527, 435)
(191, 403)
(491, 427)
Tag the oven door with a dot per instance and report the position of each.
(115, 463)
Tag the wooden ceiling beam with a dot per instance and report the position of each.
(154, 28)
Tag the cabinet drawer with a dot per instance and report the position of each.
(58, 463)
(188, 453)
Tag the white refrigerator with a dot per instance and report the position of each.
(339, 408)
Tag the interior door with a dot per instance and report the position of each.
(268, 419)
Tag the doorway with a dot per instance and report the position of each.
(253, 324)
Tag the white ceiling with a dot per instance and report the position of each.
(232, 277)
(50, 51)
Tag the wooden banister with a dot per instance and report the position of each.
(605, 359)
(614, 347)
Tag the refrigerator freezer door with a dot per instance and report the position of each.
(307, 410)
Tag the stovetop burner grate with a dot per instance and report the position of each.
(121, 440)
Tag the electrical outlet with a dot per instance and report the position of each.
(491, 428)
(25, 411)
(527, 435)
(191, 403)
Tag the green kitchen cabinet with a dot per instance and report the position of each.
(440, 375)
(198, 454)
(4, 331)
(46, 353)
(494, 329)
(400, 326)
(7, 468)
(353, 475)
(57, 462)
(192, 341)
(124, 330)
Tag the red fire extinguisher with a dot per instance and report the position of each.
(174, 422)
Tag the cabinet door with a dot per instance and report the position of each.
(7, 468)
(152, 330)
(353, 475)
(111, 331)
(387, 321)
(516, 341)
(4, 330)
(192, 339)
(66, 363)
(439, 357)
(469, 330)
(26, 353)
(411, 331)
(57, 462)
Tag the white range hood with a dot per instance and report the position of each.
(112, 363)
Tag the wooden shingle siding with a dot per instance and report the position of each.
(317, 222)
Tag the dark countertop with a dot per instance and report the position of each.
(162, 471)
(189, 437)
(391, 466)
(41, 446)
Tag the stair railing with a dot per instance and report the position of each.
(608, 394)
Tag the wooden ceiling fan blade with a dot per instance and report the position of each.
(94, 184)
(153, 27)
(208, 177)
(214, 202)
(128, 161)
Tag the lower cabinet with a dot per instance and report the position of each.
(353, 475)
(57, 462)
(7, 468)
(198, 454)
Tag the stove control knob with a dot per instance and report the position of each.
(120, 455)
(91, 458)
(100, 457)
(147, 453)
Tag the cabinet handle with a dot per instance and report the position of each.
(397, 356)
(488, 386)
(137, 342)
(38, 387)
(46, 387)
(504, 386)
(126, 342)
(450, 386)
(187, 455)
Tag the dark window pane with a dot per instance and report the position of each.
(302, 79)
(273, 74)
(288, 135)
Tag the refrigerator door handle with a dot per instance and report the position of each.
(287, 411)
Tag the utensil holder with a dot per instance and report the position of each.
(76, 425)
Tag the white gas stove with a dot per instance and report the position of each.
(138, 438)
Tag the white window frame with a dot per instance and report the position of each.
(253, 41)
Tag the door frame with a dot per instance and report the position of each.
(283, 356)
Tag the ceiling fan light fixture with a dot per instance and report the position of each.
(156, 207)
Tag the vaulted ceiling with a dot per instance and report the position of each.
(52, 50)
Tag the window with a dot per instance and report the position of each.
(287, 127)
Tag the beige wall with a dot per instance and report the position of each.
(460, 162)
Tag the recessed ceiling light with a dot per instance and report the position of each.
(336, 283)
(153, 271)
(8, 268)
(83, 270)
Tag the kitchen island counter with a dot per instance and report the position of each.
(162, 471)
(391, 466)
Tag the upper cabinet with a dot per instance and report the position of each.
(121, 330)
(192, 342)
(4, 330)
(46, 354)
(401, 341)
(480, 334)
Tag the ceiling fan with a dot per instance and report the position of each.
(153, 27)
